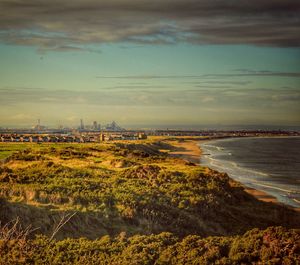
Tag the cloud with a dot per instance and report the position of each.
(135, 87)
(149, 77)
(236, 73)
(20, 117)
(210, 86)
(206, 99)
(67, 48)
(25, 105)
(71, 25)
(223, 82)
(211, 96)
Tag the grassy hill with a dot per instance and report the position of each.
(127, 188)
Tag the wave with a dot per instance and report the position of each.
(232, 166)
(222, 159)
(296, 200)
(277, 188)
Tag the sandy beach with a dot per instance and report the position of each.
(189, 150)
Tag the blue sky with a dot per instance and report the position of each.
(190, 71)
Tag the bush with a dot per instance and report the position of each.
(163, 248)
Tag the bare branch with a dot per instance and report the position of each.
(65, 218)
(14, 230)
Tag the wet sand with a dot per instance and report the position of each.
(189, 150)
(261, 195)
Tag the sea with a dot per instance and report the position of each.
(269, 164)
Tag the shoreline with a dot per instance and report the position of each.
(190, 151)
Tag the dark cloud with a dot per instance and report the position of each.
(135, 87)
(236, 73)
(59, 25)
(146, 77)
(210, 86)
(223, 82)
(69, 48)
(256, 73)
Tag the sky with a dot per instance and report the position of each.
(150, 64)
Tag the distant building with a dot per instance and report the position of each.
(102, 137)
(113, 127)
(95, 126)
(81, 125)
(142, 136)
(39, 127)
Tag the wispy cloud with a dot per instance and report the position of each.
(148, 77)
(223, 82)
(235, 73)
(67, 25)
(214, 96)
(211, 86)
(67, 48)
(273, 105)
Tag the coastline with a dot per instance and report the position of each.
(190, 151)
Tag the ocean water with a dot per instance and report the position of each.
(268, 164)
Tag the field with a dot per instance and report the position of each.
(6, 149)
(133, 198)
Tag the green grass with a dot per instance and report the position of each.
(148, 193)
(139, 205)
(6, 149)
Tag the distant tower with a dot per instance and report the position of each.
(95, 126)
(38, 126)
(81, 124)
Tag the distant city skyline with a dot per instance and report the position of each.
(150, 63)
(89, 124)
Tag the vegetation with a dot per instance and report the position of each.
(9, 148)
(145, 206)
(274, 245)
